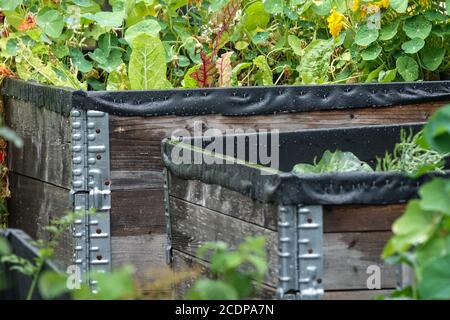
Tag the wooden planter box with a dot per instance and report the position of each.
(323, 231)
(43, 172)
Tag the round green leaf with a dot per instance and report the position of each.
(274, 6)
(296, 44)
(365, 36)
(413, 45)
(417, 27)
(408, 68)
(437, 130)
(389, 30)
(255, 16)
(434, 279)
(371, 53)
(10, 5)
(432, 57)
(51, 22)
(150, 27)
(241, 45)
(106, 19)
(399, 5)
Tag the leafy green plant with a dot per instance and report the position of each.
(410, 156)
(337, 161)
(236, 273)
(422, 234)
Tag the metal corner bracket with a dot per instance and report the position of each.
(300, 252)
(91, 193)
(167, 217)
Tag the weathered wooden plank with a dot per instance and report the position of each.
(132, 180)
(347, 255)
(137, 212)
(336, 218)
(46, 153)
(135, 141)
(145, 253)
(33, 205)
(183, 262)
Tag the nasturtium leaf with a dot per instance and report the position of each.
(206, 289)
(4, 246)
(236, 70)
(408, 68)
(183, 61)
(84, 3)
(264, 76)
(12, 47)
(79, 61)
(106, 19)
(60, 51)
(241, 45)
(389, 30)
(52, 284)
(274, 6)
(399, 5)
(434, 279)
(296, 44)
(435, 196)
(337, 161)
(147, 67)
(10, 5)
(260, 37)
(437, 130)
(371, 53)
(387, 76)
(255, 16)
(365, 36)
(51, 22)
(417, 27)
(323, 7)
(434, 15)
(150, 27)
(432, 57)
(413, 45)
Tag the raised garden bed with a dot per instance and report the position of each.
(130, 125)
(323, 231)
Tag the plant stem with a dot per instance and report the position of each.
(35, 278)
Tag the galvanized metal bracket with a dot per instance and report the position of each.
(167, 218)
(91, 192)
(300, 252)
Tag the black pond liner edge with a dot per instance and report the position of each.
(233, 101)
(377, 188)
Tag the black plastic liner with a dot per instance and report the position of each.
(236, 101)
(17, 284)
(302, 146)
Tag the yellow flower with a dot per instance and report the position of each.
(383, 4)
(355, 5)
(336, 22)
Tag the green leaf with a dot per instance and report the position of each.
(434, 279)
(337, 161)
(389, 30)
(4, 247)
(150, 27)
(437, 130)
(371, 53)
(264, 75)
(387, 76)
(84, 3)
(365, 36)
(274, 6)
(238, 69)
(79, 61)
(118, 79)
(241, 45)
(413, 45)
(52, 284)
(417, 27)
(206, 289)
(10, 5)
(435, 196)
(106, 19)
(432, 57)
(399, 5)
(296, 44)
(408, 68)
(147, 67)
(255, 17)
(260, 37)
(60, 50)
(315, 62)
(51, 22)
(216, 5)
